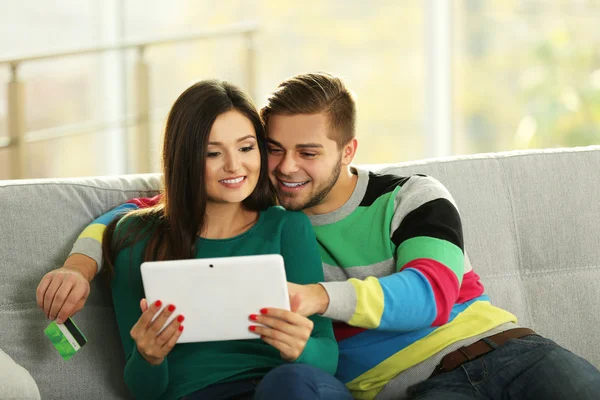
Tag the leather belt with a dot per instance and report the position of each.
(483, 346)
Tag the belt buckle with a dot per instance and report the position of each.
(439, 369)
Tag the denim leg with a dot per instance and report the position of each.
(529, 368)
(454, 385)
(537, 368)
(300, 382)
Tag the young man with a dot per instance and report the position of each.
(413, 321)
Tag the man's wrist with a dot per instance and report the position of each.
(83, 264)
(322, 298)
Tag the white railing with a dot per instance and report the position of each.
(18, 137)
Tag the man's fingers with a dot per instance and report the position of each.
(60, 298)
(78, 307)
(76, 297)
(49, 295)
(41, 290)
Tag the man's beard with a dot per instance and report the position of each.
(318, 197)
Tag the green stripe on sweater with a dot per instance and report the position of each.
(439, 250)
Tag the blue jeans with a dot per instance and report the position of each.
(531, 367)
(289, 381)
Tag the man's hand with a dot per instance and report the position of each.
(313, 299)
(285, 330)
(63, 292)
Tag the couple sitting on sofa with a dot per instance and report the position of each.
(411, 317)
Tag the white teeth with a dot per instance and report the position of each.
(292, 184)
(236, 180)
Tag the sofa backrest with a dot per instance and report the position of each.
(531, 225)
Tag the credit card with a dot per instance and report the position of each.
(66, 338)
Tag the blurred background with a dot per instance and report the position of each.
(85, 85)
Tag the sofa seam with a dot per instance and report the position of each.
(80, 185)
(492, 156)
(507, 185)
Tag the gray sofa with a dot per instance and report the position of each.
(531, 222)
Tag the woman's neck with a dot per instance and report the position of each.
(227, 220)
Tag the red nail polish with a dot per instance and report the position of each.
(263, 311)
(181, 328)
(252, 328)
(171, 308)
(253, 317)
(158, 303)
(180, 318)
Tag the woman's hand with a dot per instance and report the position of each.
(287, 331)
(153, 346)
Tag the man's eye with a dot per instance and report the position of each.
(247, 149)
(308, 155)
(213, 154)
(274, 151)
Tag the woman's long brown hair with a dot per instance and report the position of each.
(172, 225)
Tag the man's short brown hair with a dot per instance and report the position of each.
(315, 93)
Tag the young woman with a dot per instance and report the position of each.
(218, 202)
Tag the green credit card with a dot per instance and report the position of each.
(66, 338)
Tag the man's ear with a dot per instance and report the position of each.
(349, 151)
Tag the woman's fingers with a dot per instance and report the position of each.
(142, 324)
(285, 315)
(289, 340)
(168, 346)
(143, 305)
(287, 352)
(275, 323)
(169, 331)
(162, 318)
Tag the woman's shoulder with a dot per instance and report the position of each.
(278, 213)
(134, 225)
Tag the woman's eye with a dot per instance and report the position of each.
(247, 149)
(212, 154)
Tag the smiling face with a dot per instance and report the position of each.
(232, 159)
(304, 163)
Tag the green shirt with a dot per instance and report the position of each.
(192, 366)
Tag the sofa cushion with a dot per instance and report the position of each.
(40, 221)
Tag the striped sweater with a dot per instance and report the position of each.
(398, 278)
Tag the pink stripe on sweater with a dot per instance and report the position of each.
(471, 287)
(443, 282)
(144, 202)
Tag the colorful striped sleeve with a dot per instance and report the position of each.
(426, 232)
(89, 242)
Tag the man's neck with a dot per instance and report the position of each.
(339, 194)
(225, 220)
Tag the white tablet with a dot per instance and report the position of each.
(217, 295)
